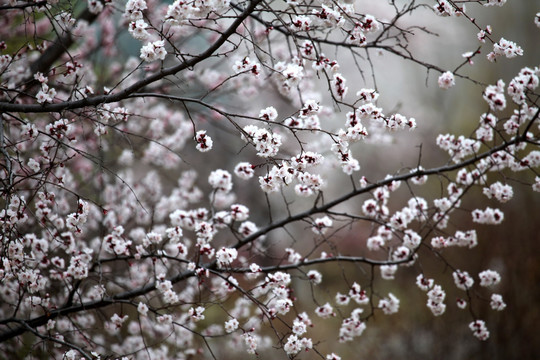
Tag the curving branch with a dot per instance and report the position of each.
(70, 309)
(123, 94)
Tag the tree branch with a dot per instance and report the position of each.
(123, 94)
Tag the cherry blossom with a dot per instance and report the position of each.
(505, 48)
(153, 51)
(389, 305)
(462, 280)
(446, 80)
(213, 178)
(497, 302)
(479, 329)
(204, 142)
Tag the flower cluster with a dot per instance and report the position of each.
(389, 305)
(153, 51)
(435, 300)
(479, 329)
(497, 302)
(108, 209)
(247, 66)
(225, 256)
(244, 170)
(204, 142)
(294, 345)
(46, 94)
(462, 279)
(505, 48)
(137, 29)
(461, 238)
(352, 326)
(446, 80)
(489, 278)
(488, 216)
(502, 193)
(321, 225)
(527, 79)
(266, 143)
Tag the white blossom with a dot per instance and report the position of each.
(225, 256)
(479, 329)
(505, 48)
(153, 51)
(231, 325)
(489, 278)
(462, 280)
(497, 302)
(389, 305)
(204, 142)
(446, 80)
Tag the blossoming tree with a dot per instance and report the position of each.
(188, 201)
